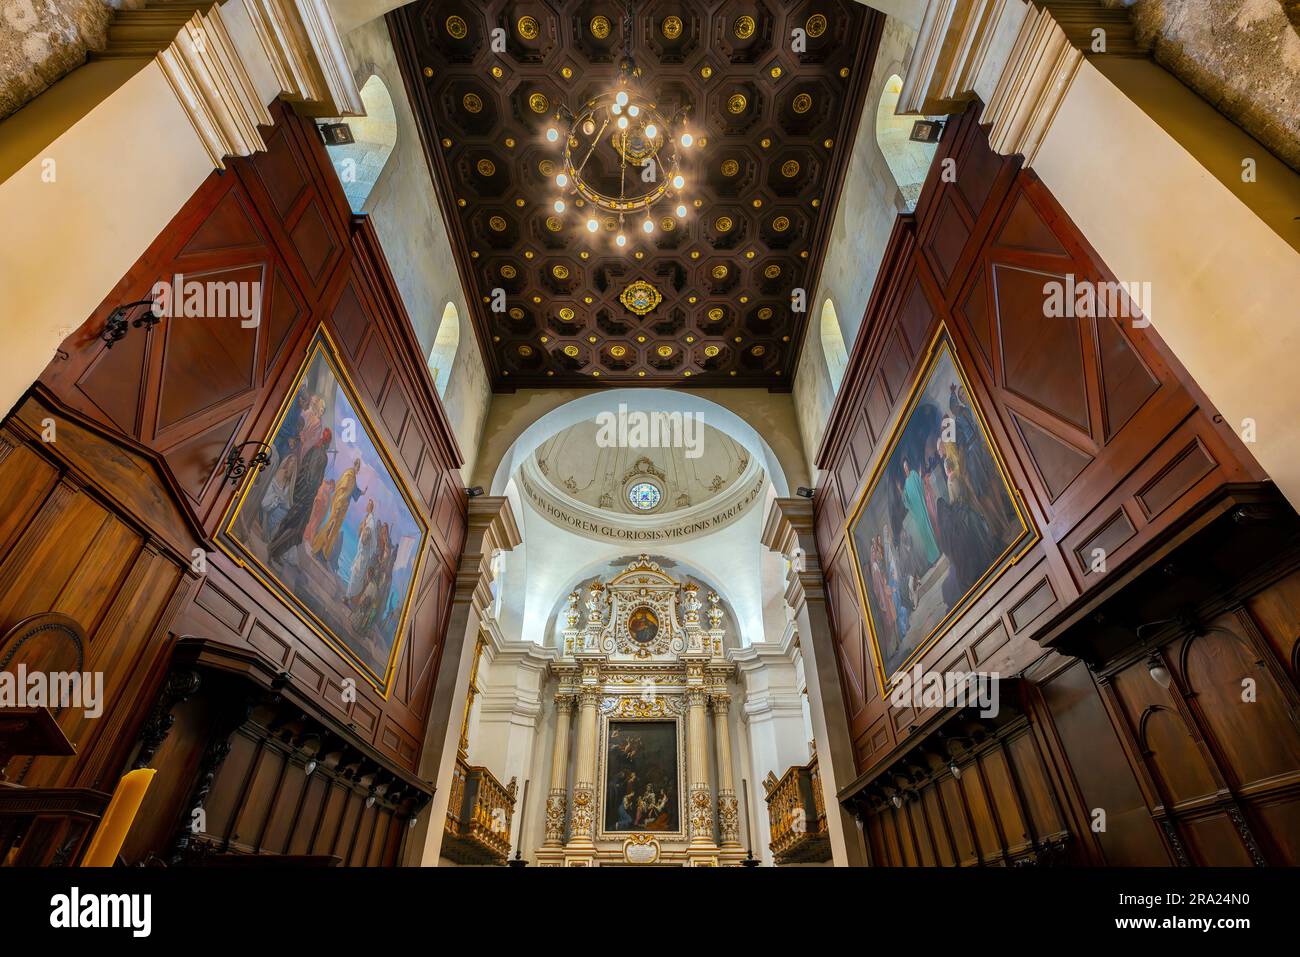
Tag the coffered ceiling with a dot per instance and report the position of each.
(773, 129)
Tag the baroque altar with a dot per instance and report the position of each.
(644, 776)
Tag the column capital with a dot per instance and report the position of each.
(721, 701)
(564, 703)
(490, 528)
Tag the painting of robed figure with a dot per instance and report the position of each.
(937, 521)
(641, 777)
(328, 523)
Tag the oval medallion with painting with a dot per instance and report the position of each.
(643, 625)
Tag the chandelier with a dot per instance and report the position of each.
(621, 153)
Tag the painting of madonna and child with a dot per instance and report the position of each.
(641, 792)
(937, 520)
(327, 523)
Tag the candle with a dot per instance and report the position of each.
(118, 818)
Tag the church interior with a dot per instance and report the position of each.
(649, 433)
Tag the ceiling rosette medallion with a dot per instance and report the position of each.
(640, 297)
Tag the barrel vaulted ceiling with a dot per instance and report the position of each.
(773, 131)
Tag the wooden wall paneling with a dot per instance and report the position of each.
(111, 512)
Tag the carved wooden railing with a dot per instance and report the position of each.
(47, 827)
(479, 812)
(797, 815)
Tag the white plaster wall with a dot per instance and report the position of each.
(869, 203)
(411, 229)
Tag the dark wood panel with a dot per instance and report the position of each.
(105, 523)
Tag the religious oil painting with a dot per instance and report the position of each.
(643, 625)
(328, 524)
(641, 777)
(937, 522)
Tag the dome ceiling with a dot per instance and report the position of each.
(618, 479)
(705, 299)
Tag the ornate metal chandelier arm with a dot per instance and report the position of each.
(596, 139)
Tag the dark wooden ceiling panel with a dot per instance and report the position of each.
(774, 129)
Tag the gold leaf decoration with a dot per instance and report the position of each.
(640, 297)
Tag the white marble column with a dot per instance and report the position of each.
(582, 816)
(557, 798)
(700, 797)
(728, 812)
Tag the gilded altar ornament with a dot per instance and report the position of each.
(802, 103)
(736, 103)
(486, 167)
(640, 297)
(790, 169)
(456, 28)
(528, 28)
(730, 167)
(538, 103)
(672, 27)
(816, 25)
(599, 27)
(744, 27)
(472, 102)
(497, 224)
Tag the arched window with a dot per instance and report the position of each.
(444, 348)
(908, 161)
(374, 135)
(837, 356)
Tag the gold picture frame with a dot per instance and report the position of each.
(322, 346)
(666, 710)
(940, 346)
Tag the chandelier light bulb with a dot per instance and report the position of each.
(621, 239)
(552, 134)
(589, 127)
(679, 181)
(651, 131)
(622, 122)
(633, 110)
(616, 109)
(681, 212)
(592, 225)
(562, 180)
(621, 98)
(648, 225)
(559, 205)
(687, 139)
